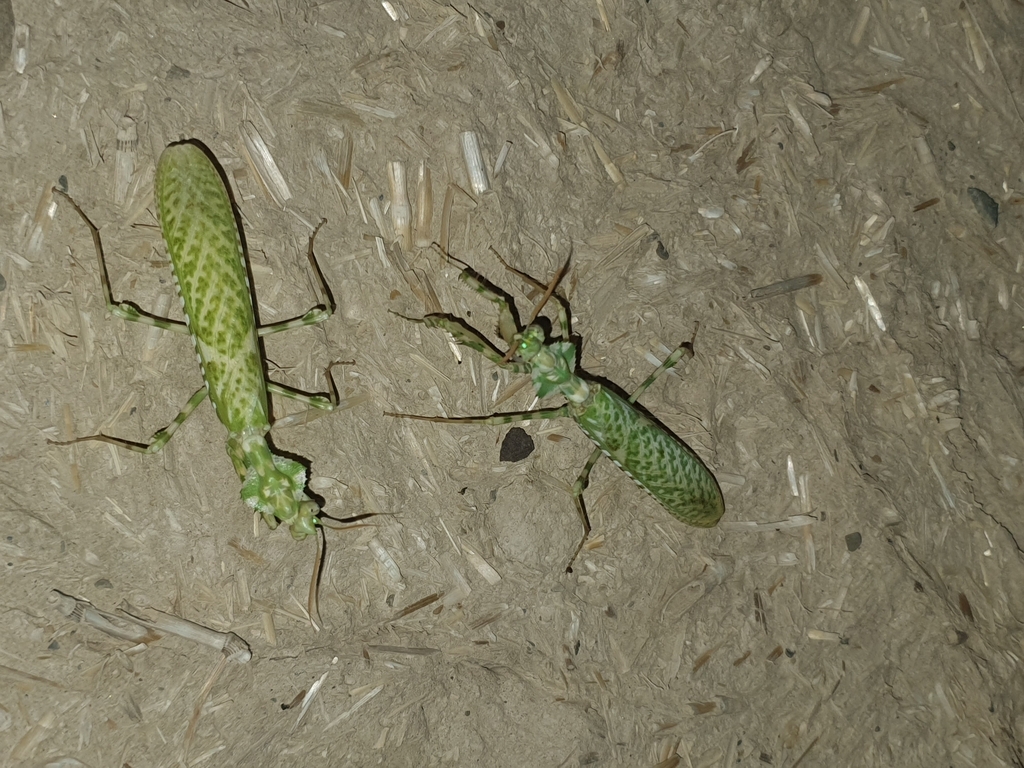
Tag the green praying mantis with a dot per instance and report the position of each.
(656, 460)
(204, 242)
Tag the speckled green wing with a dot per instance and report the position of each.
(657, 460)
(202, 238)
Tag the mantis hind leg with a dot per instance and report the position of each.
(318, 313)
(120, 309)
(159, 439)
(577, 496)
(317, 405)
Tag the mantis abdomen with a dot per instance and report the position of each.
(199, 227)
(654, 458)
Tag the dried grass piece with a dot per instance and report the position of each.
(231, 645)
(759, 612)
(21, 36)
(124, 158)
(818, 634)
(719, 705)
(197, 710)
(829, 268)
(355, 708)
(974, 38)
(800, 122)
(324, 166)
(486, 34)
(27, 744)
(640, 234)
(810, 553)
(879, 87)
(541, 143)
(869, 300)
(860, 26)
(418, 605)
(444, 240)
(572, 109)
(246, 553)
(136, 629)
(400, 209)
(683, 599)
(609, 165)
(881, 53)
(502, 155)
(307, 701)
(794, 489)
(474, 160)
(346, 164)
(83, 611)
(263, 164)
(761, 68)
(69, 431)
(746, 158)
(338, 113)
(270, 628)
(392, 573)
(794, 521)
(46, 208)
(484, 568)
(403, 649)
(26, 677)
(786, 286)
(424, 207)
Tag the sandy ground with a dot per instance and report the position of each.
(860, 603)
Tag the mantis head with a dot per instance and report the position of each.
(551, 365)
(529, 343)
(276, 488)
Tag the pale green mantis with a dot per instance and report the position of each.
(656, 460)
(199, 227)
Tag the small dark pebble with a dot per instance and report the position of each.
(984, 204)
(516, 446)
(662, 251)
(62, 182)
(3, 282)
(853, 541)
(103, 584)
